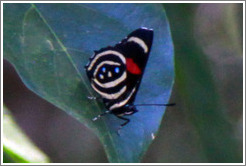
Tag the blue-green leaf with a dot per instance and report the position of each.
(49, 45)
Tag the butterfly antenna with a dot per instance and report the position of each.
(169, 104)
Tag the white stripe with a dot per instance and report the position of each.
(105, 62)
(117, 105)
(106, 53)
(110, 96)
(140, 42)
(112, 83)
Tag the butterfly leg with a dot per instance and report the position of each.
(126, 120)
(99, 116)
(123, 124)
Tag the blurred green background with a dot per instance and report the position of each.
(206, 125)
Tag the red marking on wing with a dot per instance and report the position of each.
(132, 67)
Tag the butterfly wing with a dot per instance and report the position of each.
(116, 72)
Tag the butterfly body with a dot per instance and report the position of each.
(115, 72)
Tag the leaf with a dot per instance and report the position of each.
(51, 43)
(17, 148)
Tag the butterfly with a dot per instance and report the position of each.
(115, 72)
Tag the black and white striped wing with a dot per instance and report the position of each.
(115, 72)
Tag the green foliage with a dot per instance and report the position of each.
(17, 147)
(49, 45)
(197, 88)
